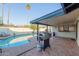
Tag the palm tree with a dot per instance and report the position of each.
(2, 12)
(28, 8)
(8, 14)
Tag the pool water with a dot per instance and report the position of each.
(4, 43)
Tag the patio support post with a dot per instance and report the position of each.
(77, 33)
(76, 30)
(47, 27)
(37, 31)
(2, 12)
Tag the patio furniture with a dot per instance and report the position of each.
(46, 44)
(54, 34)
(40, 40)
(3, 34)
(0, 50)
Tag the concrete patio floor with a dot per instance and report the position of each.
(59, 47)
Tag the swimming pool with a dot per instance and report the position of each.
(4, 43)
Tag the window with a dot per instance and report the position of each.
(60, 28)
(72, 28)
(66, 28)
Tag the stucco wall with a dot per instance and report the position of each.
(64, 34)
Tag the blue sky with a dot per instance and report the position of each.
(20, 16)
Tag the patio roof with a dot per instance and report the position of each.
(56, 13)
(58, 17)
(64, 19)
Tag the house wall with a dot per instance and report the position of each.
(64, 34)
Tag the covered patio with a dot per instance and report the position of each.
(63, 24)
(66, 27)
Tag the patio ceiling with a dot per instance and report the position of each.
(64, 19)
